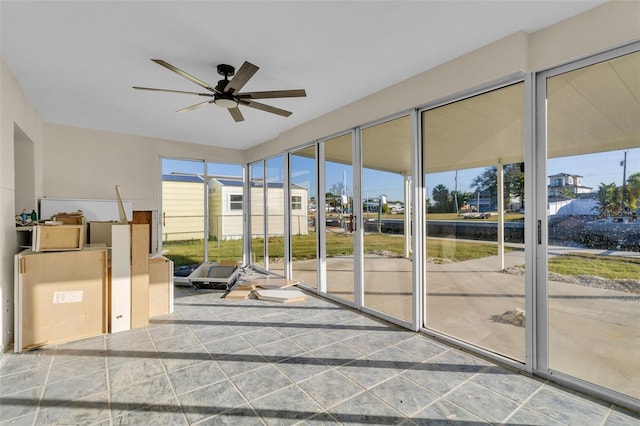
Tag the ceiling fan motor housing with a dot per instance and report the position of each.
(226, 70)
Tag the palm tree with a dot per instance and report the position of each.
(633, 190)
(608, 199)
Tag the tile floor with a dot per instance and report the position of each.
(250, 362)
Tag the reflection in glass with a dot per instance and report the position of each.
(183, 200)
(593, 168)
(226, 202)
(302, 164)
(386, 173)
(339, 241)
(475, 229)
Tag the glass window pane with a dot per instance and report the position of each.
(475, 228)
(275, 213)
(339, 241)
(225, 211)
(593, 166)
(183, 211)
(386, 173)
(303, 216)
(256, 185)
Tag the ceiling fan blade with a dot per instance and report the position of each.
(267, 108)
(296, 93)
(246, 71)
(172, 91)
(184, 74)
(236, 114)
(192, 107)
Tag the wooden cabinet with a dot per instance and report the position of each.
(60, 296)
(139, 275)
(160, 286)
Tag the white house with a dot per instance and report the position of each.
(562, 183)
(183, 207)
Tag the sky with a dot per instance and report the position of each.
(595, 169)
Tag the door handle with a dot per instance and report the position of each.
(539, 232)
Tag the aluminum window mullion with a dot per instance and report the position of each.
(205, 232)
(265, 217)
(321, 220)
(286, 188)
(417, 210)
(540, 301)
(358, 223)
(246, 212)
(532, 193)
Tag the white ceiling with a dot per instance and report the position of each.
(76, 61)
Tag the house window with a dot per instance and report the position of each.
(296, 202)
(235, 202)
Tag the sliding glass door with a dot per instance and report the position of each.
(225, 186)
(257, 223)
(386, 208)
(275, 202)
(183, 215)
(475, 209)
(592, 295)
(339, 241)
(304, 215)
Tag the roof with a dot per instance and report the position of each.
(181, 178)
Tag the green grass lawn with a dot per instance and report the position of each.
(304, 247)
(610, 267)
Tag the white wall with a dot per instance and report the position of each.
(15, 110)
(85, 163)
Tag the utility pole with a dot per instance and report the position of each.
(623, 163)
(455, 192)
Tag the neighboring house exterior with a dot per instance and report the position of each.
(563, 183)
(183, 204)
(568, 197)
(182, 207)
(275, 195)
(225, 208)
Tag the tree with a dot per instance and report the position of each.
(513, 174)
(608, 200)
(633, 190)
(440, 194)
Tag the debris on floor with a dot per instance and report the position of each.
(282, 296)
(238, 294)
(515, 317)
(251, 284)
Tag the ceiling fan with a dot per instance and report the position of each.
(226, 93)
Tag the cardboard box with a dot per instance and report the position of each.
(60, 297)
(72, 218)
(160, 286)
(58, 238)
